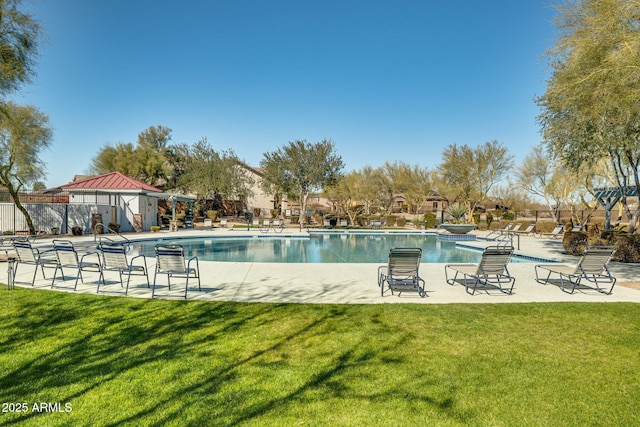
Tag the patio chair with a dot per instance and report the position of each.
(114, 258)
(401, 272)
(256, 223)
(68, 257)
(498, 232)
(491, 271)
(326, 223)
(555, 233)
(223, 223)
(344, 223)
(170, 260)
(591, 267)
(26, 254)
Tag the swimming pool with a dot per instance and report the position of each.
(324, 248)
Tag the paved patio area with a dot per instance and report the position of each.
(338, 283)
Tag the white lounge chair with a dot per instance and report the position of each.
(68, 257)
(114, 258)
(170, 260)
(26, 254)
(591, 267)
(555, 233)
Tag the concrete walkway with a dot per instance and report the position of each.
(337, 283)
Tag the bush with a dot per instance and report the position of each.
(390, 220)
(509, 216)
(574, 242)
(429, 220)
(489, 219)
(627, 248)
(77, 231)
(212, 215)
(114, 226)
(401, 221)
(482, 226)
(155, 228)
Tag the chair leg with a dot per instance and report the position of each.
(153, 290)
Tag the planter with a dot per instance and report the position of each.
(458, 228)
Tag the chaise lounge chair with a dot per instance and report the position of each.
(529, 230)
(591, 267)
(401, 272)
(556, 233)
(491, 270)
(499, 232)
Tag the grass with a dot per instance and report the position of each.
(125, 361)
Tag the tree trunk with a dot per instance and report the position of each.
(22, 209)
(303, 209)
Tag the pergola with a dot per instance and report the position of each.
(608, 197)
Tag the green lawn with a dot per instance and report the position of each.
(123, 361)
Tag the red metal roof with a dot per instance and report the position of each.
(110, 181)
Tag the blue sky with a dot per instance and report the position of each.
(385, 80)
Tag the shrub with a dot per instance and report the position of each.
(114, 226)
(627, 248)
(274, 213)
(77, 231)
(155, 228)
(401, 221)
(489, 219)
(429, 220)
(390, 220)
(212, 215)
(509, 216)
(257, 212)
(482, 226)
(574, 242)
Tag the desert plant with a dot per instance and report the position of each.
(155, 228)
(456, 211)
(574, 242)
(115, 227)
(401, 221)
(77, 231)
(627, 248)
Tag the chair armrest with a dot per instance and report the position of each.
(195, 258)
(97, 254)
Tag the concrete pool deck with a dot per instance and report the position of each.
(334, 283)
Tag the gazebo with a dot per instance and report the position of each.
(608, 197)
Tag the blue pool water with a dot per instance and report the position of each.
(325, 248)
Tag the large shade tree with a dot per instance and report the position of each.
(468, 174)
(211, 174)
(20, 36)
(304, 168)
(590, 110)
(148, 161)
(24, 134)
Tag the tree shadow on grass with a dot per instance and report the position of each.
(83, 345)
